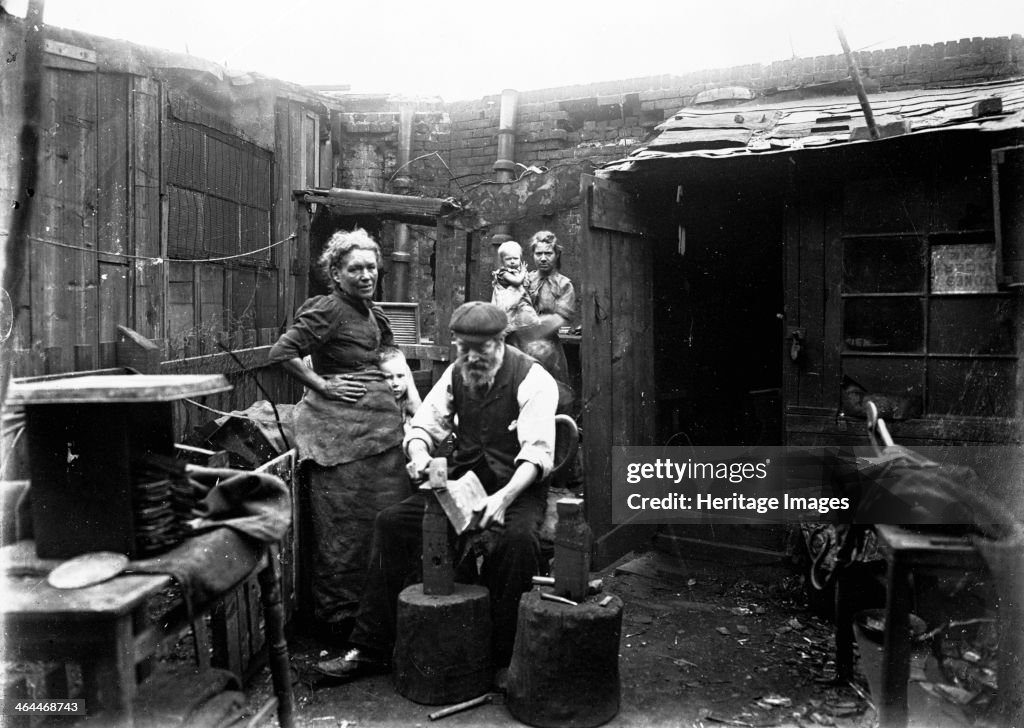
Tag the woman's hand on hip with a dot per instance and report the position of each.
(344, 389)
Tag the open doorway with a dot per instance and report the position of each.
(718, 329)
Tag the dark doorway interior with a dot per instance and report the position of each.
(718, 332)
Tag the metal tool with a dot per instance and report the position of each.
(555, 598)
(484, 699)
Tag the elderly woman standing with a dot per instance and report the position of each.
(554, 299)
(348, 425)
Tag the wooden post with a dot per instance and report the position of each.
(16, 246)
(858, 85)
(137, 352)
(277, 645)
(438, 571)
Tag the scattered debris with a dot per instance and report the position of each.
(949, 693)
(844, 708)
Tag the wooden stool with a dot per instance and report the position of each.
(565, 663)
(443, 629)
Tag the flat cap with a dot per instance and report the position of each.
(477, 321)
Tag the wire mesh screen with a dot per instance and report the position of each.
(219, 194)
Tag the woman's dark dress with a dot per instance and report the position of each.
(352, 451)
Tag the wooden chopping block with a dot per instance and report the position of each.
(443, 645)
(565, 663)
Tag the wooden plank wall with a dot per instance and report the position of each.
(617, 353)
(98, 254)
(117, 272)
(297, 167)
(254, 379)
(145, 118)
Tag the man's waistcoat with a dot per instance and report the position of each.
(482, 433)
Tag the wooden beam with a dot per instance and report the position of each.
(401, 208)
(137, 352)
(254, 358)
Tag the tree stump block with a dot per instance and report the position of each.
(565, 663)
(443, 645)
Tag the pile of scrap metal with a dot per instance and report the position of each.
(249, 437)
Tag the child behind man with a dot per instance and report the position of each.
(510, 292)
(399, 377)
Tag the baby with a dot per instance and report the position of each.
(510, 292)
(399, 377)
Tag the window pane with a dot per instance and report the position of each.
(883, 265)
(883, 324)
(900, 380)
(882, 203)
(974, 325)
(971, 387)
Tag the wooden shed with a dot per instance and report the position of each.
(163, 200)
(758, 265)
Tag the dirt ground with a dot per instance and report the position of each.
(704, 643)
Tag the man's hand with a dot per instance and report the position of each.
(419, 461)
(494, 509)
(344, 389)
(499, 501)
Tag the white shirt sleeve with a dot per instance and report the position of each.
(538, 400)
(434, 421)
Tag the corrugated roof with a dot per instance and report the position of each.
(759, 128)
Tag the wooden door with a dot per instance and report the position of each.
(617, 351)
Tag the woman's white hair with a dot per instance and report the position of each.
(341, 244)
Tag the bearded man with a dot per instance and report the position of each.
(500, 405)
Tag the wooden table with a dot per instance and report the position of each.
(905, 552)
(104, 629)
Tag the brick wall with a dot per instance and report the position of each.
(604, 121)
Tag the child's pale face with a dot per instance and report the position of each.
(510, 260)
(396, 377)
